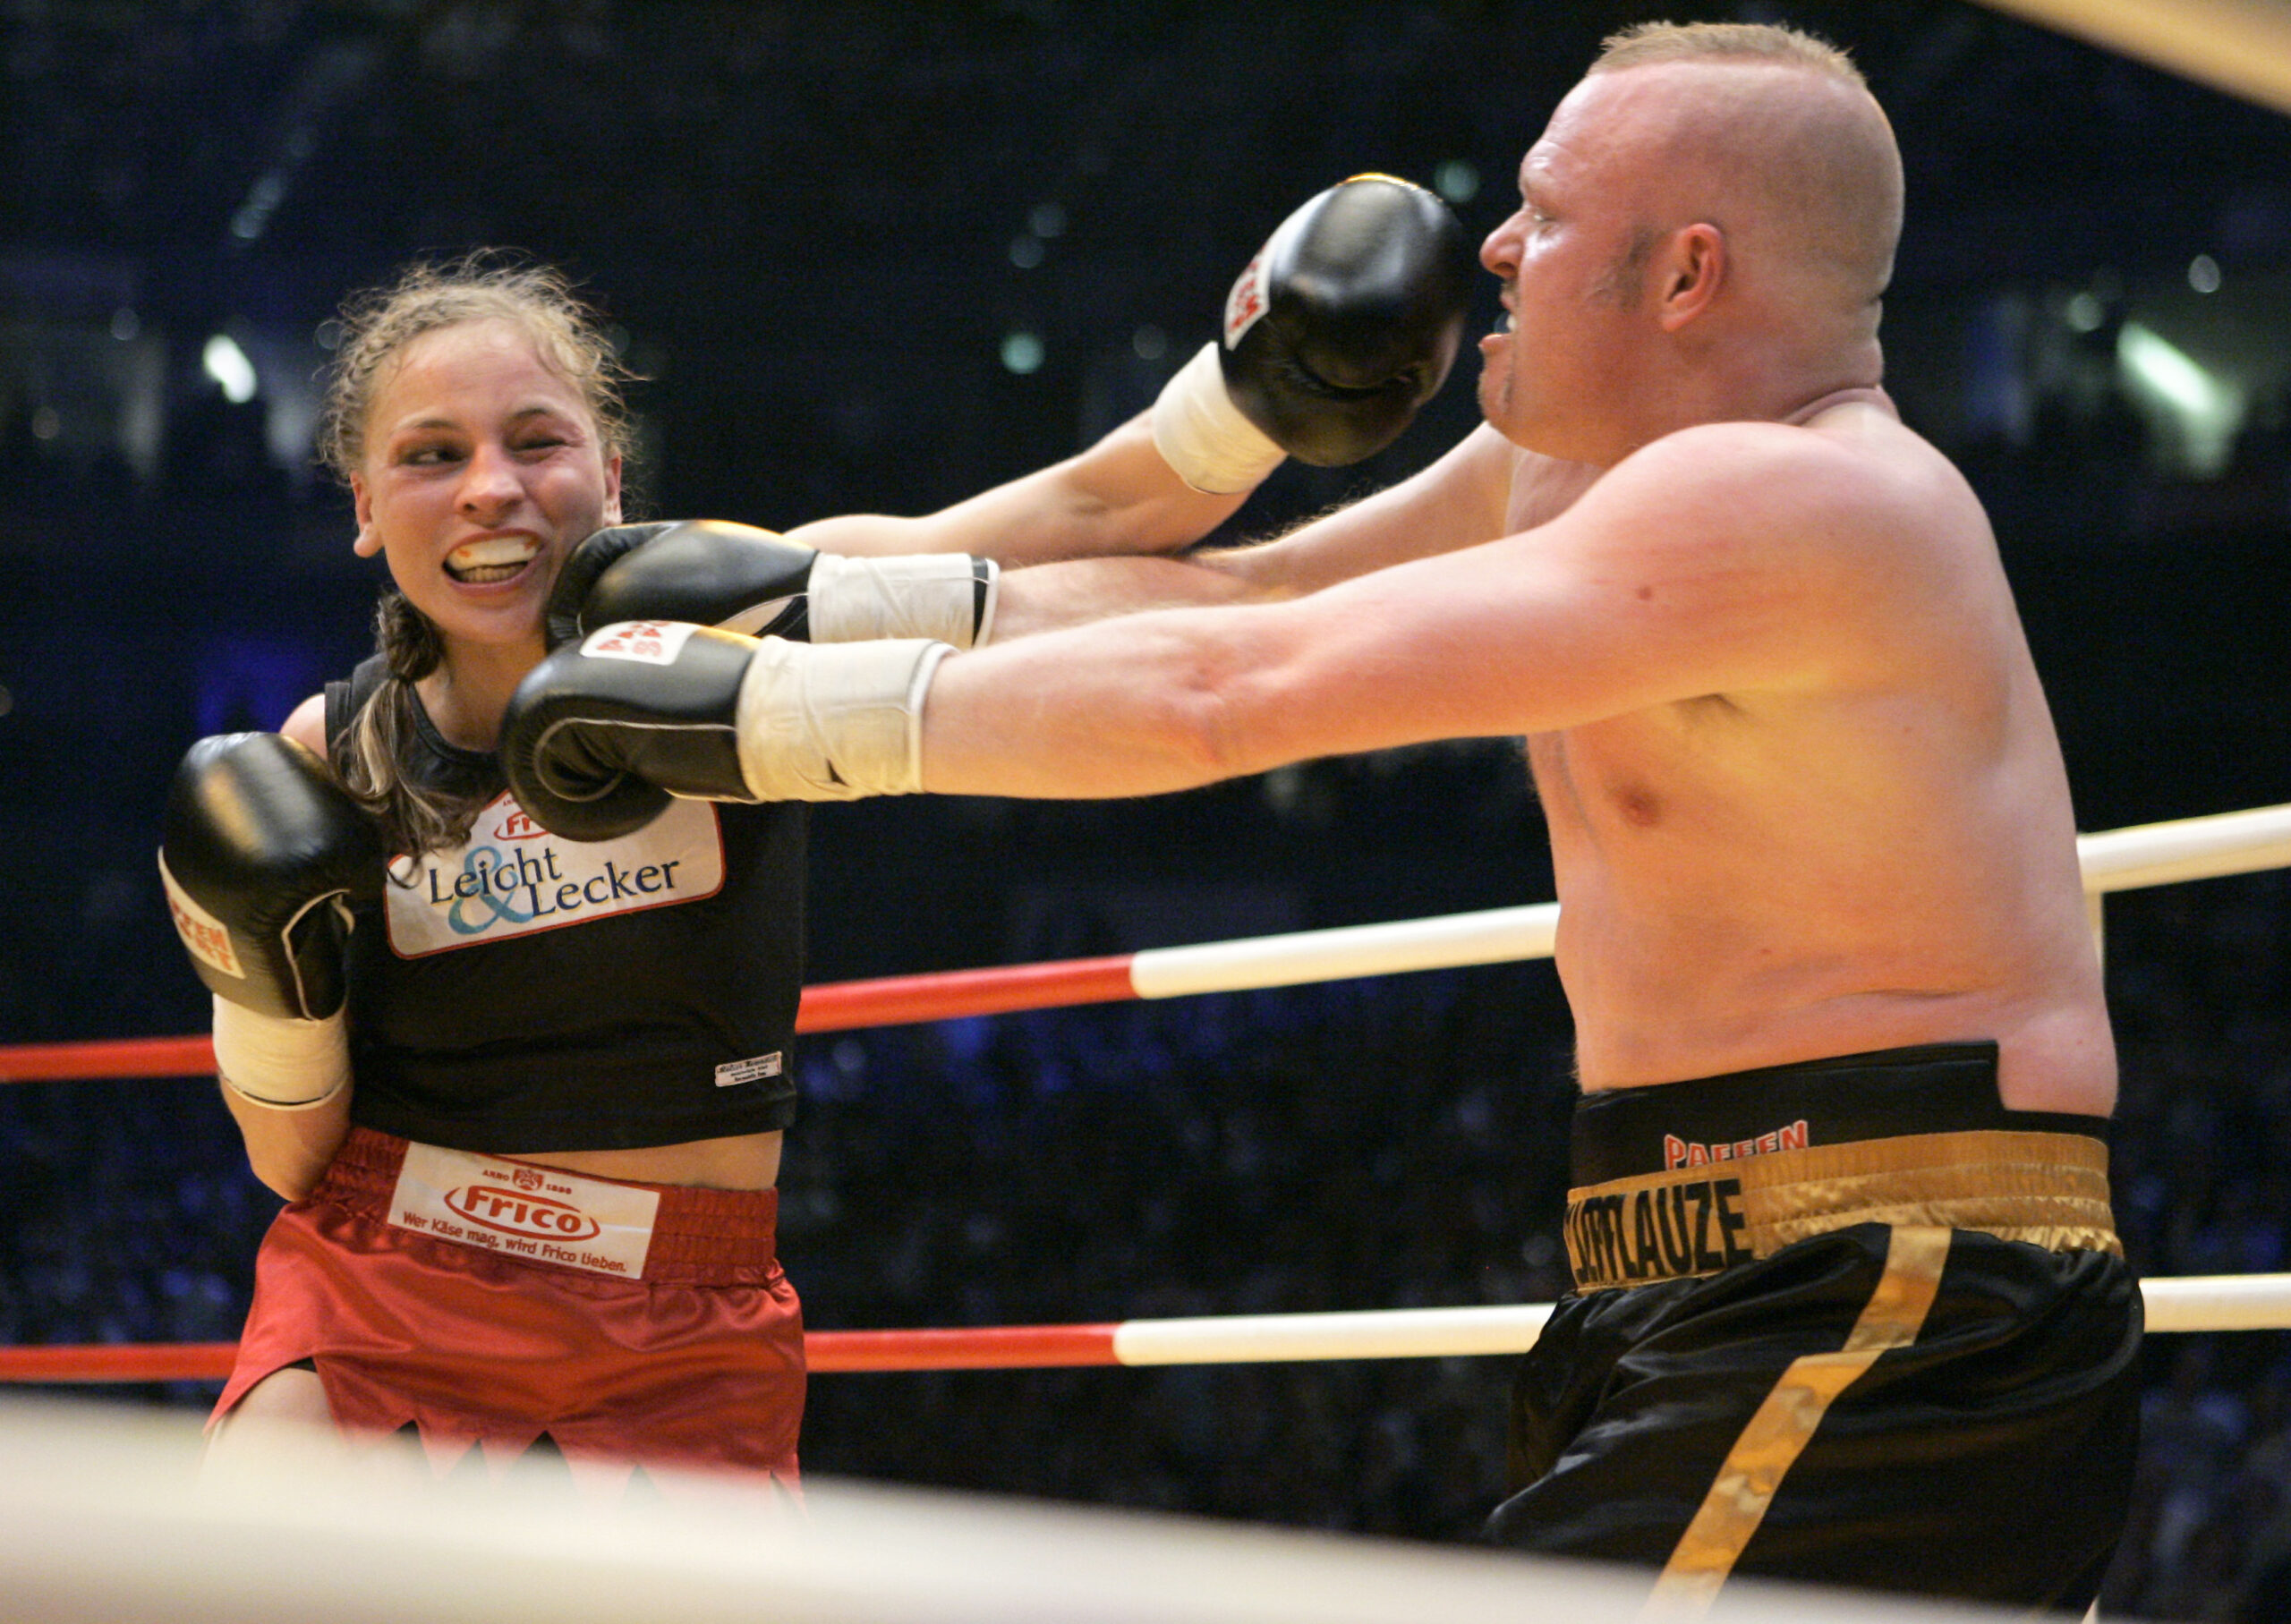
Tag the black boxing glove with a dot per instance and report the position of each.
(601, 733)
(1345, 323)
(741, 579)
(263, 857)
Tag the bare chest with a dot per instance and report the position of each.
(1664, 772)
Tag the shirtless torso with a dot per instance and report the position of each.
(1802, 787)
(1879, 854)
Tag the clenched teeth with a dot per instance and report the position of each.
(497, 559)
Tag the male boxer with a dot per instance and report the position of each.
(1850, 1305)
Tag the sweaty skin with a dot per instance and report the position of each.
(1804, 793)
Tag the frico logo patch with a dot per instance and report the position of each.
(512, 877)
(516, 826)
(509, 1213)
(524, 1210)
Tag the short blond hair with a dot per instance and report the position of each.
(1828, 167)
(1645, 42)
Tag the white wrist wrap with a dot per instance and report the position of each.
(835, 722)
(1202, 434)
(282, 1064)
(931, 595)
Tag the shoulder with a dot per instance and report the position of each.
(1762, 485)
(307, 723)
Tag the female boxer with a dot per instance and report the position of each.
(524, 1092)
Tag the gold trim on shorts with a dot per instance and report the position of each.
(1783, 1424)
(2048, 1190)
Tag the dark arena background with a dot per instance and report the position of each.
(877, 258)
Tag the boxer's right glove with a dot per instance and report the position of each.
(714, 573)
(263, 856)
(1345, 322)
(600, 735)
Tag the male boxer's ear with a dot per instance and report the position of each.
(1691, 268)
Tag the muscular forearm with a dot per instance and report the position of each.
(1117, 498)
(1053, 596)
(1139, 705)
(1456, 503)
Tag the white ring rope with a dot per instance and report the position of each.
(2188, 848)
(2190, 1303)
(1496, 936)
(2119, 860)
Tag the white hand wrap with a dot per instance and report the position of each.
(1202, 434)
(919, 595)
(284, 1065)
(835, 722)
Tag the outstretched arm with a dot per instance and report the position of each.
(1344, 323)
(1338, 331)
(1741, 560)
(1118, 496)
(1723, 562)
(1461, 499)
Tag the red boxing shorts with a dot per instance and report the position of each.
(486, 1300)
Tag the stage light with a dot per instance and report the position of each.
(1022, 352)
(227, 365)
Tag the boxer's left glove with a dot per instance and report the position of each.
(741, 579)
(1345, 322)
(603, 732)
(263, 857)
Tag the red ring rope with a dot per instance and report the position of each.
(891, 1000)
(984, 1347)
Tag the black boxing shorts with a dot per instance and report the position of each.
(1849, 1321)
(485, 1300)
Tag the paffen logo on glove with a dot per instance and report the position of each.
(652, 642)
(1246, 302)
(206, 938)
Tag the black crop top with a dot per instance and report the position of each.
(527, 993)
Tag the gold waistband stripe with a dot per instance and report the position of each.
(2048, 1190)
